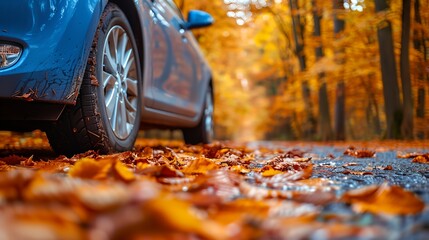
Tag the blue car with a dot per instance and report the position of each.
(91, 73)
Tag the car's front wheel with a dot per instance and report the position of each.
(106, 116)
(203, 132)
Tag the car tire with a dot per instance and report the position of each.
(106, 115)
(203, 132)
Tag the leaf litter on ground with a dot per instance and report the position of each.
(187, 192)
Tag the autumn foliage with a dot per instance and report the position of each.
(282, 70)
(163, 191)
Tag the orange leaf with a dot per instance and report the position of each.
(123, 172)
(384, 199)
(269, 172)
(200, 166)
(90, 168)
(421, 159)
(240, 169)
(180, 215)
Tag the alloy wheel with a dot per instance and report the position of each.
(119, 82)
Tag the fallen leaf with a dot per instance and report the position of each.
(269, 171)
(384, 199)
(102, 197)
(180, 216)
(200, 166)
(421, 159)
(351, 151)
(13, 160)
(359, 173)
(163, 171)
(240, 169)
(407, 155)
(90, 168)
(40, 222)
(123, 172)
(388, 167)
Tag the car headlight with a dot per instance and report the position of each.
(9, 54)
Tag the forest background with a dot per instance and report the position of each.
(318, 69)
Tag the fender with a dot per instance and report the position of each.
(51, 74)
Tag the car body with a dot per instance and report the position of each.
(50, 51)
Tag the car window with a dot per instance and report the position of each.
(175, 8)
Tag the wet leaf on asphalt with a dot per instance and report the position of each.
(421, 159)
(362, 153)
(384, 199)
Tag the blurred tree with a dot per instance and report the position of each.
(392, 101)
(419, 69)
(309, 125)
(325, 130)
(407, 121)
(267, 57)
(340, 111)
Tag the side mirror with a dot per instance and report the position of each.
(198, 19)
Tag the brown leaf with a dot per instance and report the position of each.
(359, 173)
(351, 151)
(388, 167)
(94, 81)
(163, 171)
(13, 160)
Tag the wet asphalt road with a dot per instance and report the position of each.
(349, 172)
(329, 162)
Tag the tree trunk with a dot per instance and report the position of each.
(392, 101)
(373, 113)
(325, 130)
(407, 121)
(340, 111)
(298, 34)
(419, 46)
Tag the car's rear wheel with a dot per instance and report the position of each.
(106, 116)
(203, 132)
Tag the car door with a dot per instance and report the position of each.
(177, 75)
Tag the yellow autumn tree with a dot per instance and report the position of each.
(262, 90)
